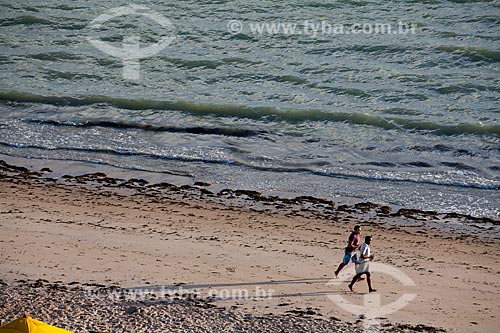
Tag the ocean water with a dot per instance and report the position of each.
(410, 119)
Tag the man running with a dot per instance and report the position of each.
(350, 250)
(363, 266)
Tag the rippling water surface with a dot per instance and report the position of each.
(410, 119)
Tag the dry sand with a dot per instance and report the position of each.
(88, 230)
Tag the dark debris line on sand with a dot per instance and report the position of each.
(306, 206)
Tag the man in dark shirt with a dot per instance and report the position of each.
(350, 251)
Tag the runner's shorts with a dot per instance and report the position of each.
(349, 255)
(364, 267)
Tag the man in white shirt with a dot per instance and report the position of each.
(363, 264)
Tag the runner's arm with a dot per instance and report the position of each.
(351, 245)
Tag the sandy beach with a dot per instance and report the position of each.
(227, 261)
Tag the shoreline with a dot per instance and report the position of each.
(67, 172)
(99, 230)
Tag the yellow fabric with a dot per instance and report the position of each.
(30, 325)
